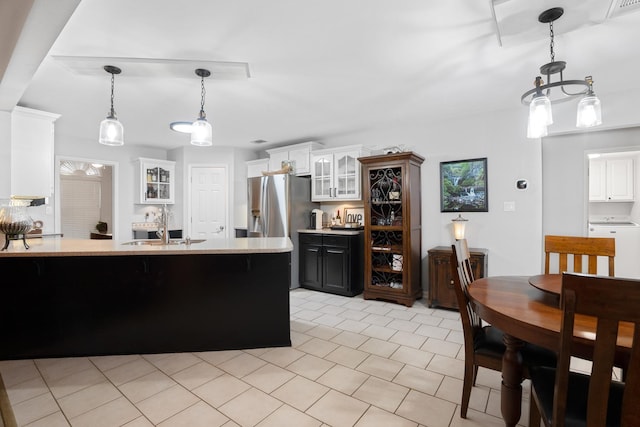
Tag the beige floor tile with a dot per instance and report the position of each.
(419, 379)
(353, 315)
(451, 390)
(324, 332)
(426, 319)
(379, 308)
(218, 357)
(377, 319)
(380, 332)
(299, 324)
(282, 356)
(131, 370)
(444, 348)
(196, 375)
(402, 313)
(456, 337)
(412, 356)
(311, 305)
(198, 415)
(382, 394)
(146, 386)
(337, 409)
(166, 403)
(26, 390)
(300, 393)
(57, 419)
(439, 413)
(379, 347)
(376, 417)
(343, 379)
(104, 363)
(141, 421)
(54, 369)
(329, 320)
(331, 309)
(347, 356)
(489, 378)
(220, 390)
(453, 324)
(447, 314)
(356, 326)
(268, 377)
(242, 365)
(288, 416)
(380, 367)
(403, 325)
(298, 338)
(310, 366)
(447, 366)
(77, 381)
(408, 339)
(175, 362)
(88, 399)
(18, 371)
(308, 315)
(115, 413)
(261, 406)
(433, 331)
(349, 339)
(476, 419)
(34, 409)
(318, 347)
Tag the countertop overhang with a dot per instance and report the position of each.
(343, 232)
(56, 247)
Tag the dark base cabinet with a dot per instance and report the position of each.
(441, 292)
(106, 305)
(331, 263)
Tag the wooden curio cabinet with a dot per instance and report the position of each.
(392, 212)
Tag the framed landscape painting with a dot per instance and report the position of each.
(463, 186)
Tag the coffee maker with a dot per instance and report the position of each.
(316, 219)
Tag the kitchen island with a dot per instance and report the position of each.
(99, 297)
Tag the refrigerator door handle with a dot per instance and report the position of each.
(265, 207)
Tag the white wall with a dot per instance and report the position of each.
(512, 238)
(5, 158)
(565, 169)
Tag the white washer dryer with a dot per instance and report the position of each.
(627, 235)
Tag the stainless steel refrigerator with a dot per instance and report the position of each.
(280, 205)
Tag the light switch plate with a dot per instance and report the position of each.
(509, 206)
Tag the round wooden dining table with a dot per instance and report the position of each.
(526, 313)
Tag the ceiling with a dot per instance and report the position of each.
(313, 70)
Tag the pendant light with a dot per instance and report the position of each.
(539, 98)
(201, 131)
(111, 130)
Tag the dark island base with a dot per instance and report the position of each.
(107, 305)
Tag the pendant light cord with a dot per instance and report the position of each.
(553, 55)
(202, 94)
(112, 89)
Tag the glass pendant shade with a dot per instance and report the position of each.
(201, 133)
(540, 111)
(589, 112)
(111, 132)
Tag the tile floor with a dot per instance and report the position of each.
(352, 363)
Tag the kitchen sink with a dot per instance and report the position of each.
(158, 242)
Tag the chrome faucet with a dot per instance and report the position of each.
(163, 225)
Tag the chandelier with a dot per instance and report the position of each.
(539, 98)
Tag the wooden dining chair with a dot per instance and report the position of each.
(563, 397)
(576, 247)
(483, 344)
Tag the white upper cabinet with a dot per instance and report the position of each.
(32, 158)
(336, 174)
(297, 155)
(256, 167)
(157, 181)
(611, 180)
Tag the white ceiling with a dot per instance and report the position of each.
(318, 69)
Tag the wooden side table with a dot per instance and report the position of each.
(441, 292)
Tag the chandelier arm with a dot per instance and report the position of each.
(525, 101)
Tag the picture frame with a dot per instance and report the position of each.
(463, 186)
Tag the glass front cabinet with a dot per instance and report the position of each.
(157, 181)
(392, 211)
(336, 174)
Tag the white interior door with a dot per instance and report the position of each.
(209, 203)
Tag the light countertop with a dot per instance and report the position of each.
(79, 247)
(344, 232)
